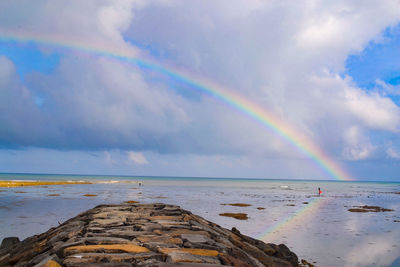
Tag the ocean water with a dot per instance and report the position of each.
(319, 229)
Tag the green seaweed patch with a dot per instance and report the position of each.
(131, 201)
(53, 195)
(89, 195)
(238, 216)
(237, 204)
(260, 208)
(367, 208)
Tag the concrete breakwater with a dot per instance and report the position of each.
(142, 235)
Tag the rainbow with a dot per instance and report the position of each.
(235, 100)
(298, 216)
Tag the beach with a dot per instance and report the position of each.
(323, 230)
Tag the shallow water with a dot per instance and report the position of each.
(318, 229)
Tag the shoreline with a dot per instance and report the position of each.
(56, 176)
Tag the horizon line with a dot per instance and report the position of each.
(188, 176)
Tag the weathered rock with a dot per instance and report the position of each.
(195, 238)
(130, 248)
(366, 208)
(281, 251)
(176, 257)
(48, 263)
(9, 241)
(239, 216)
(187, 264)
(232, 261)
(44, 260)
(155, 238)
(237, 204)
(305, 263)
(104, 240)
(134, 234)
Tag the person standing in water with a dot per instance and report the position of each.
(319, 192)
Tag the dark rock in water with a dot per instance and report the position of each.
(142, 235)
(238, 216)
(366, 208)
(237, 204)
(8, 242)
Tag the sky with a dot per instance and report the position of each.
(74, 99)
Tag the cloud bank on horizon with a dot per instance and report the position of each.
(330, 69)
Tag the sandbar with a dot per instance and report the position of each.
(38, 183)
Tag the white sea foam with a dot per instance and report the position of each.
(108, 182)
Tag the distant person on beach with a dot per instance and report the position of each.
(319, 191)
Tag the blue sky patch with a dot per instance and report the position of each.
(27, 57)
(379, 60)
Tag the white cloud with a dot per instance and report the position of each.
(137, 158)
(373, 110)
(108, 158)
(387, 89)
(7, 70)
(391, 152)
(358, 146)
(95, 24)
(284, 56)
(294, 76)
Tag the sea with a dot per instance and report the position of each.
(318, 228)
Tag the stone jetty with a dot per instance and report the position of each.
(142, 235)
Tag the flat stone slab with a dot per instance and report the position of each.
(167, 264)
(194, 238)
(133, 234)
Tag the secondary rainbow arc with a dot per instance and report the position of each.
(260, 114)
